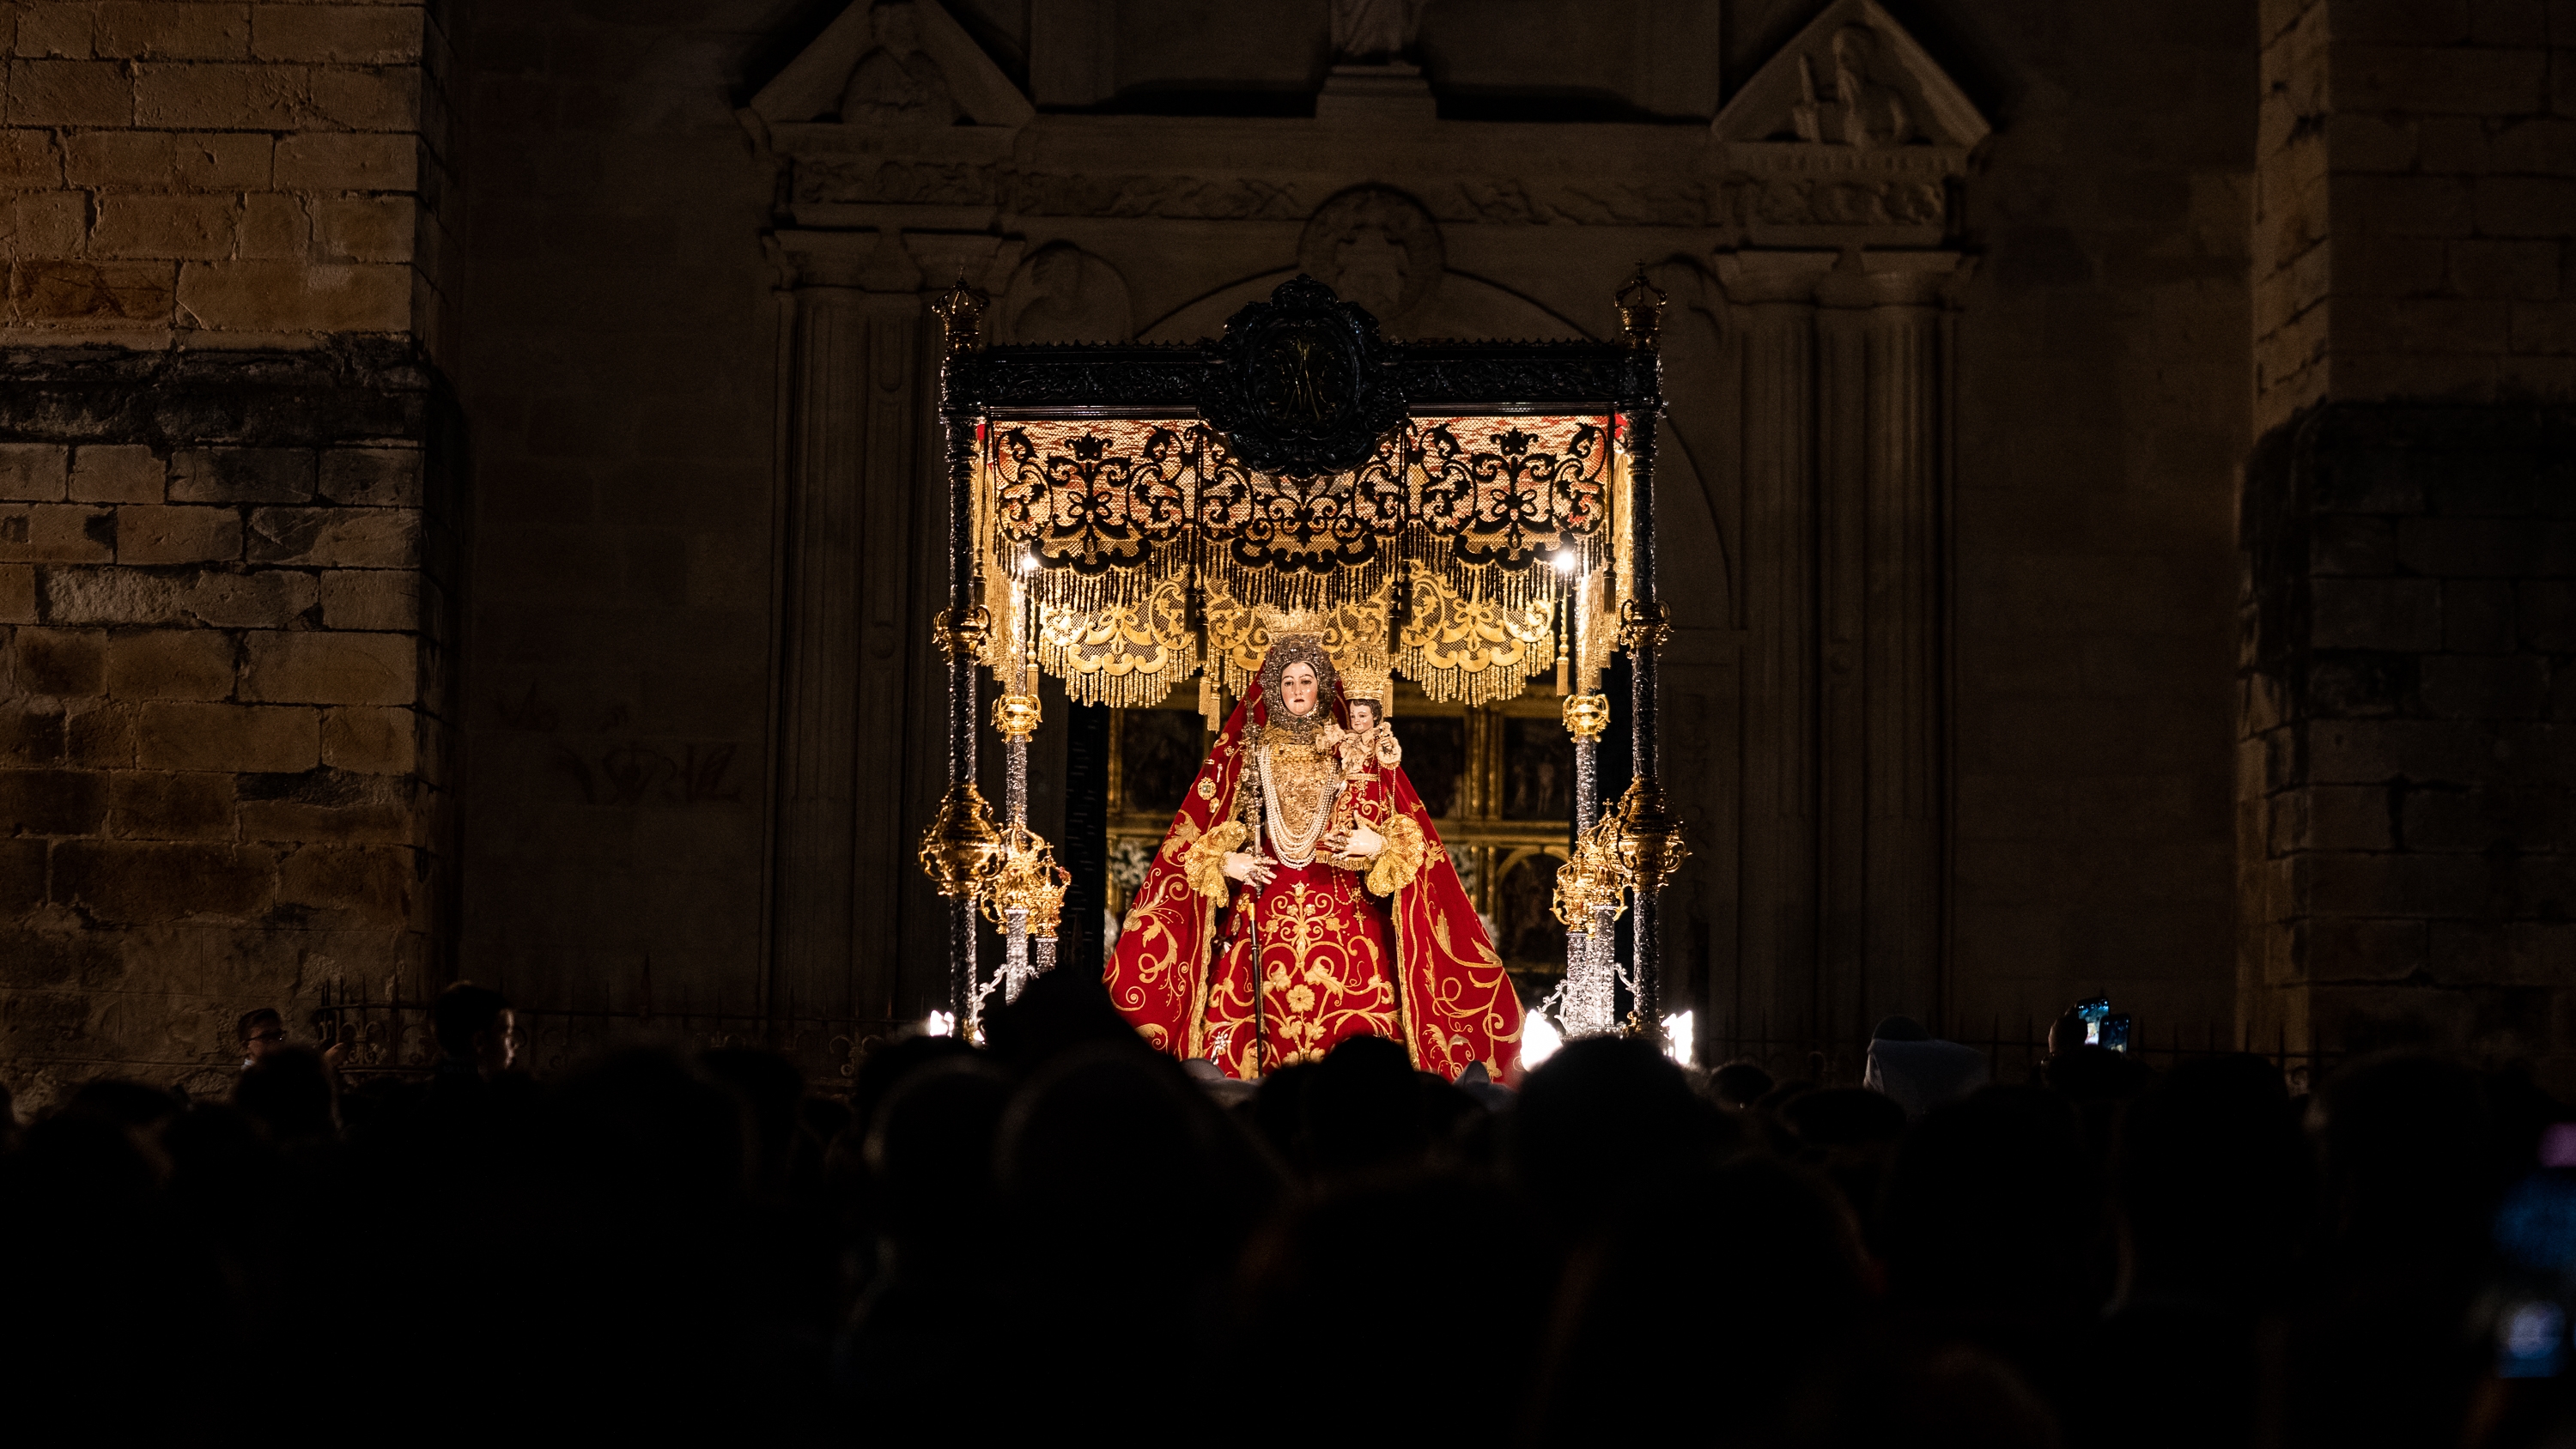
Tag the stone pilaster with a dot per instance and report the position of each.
(1844, 376)
(854, 926)
(839, 848)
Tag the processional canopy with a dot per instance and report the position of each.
(1464, 514)
(1452, 510)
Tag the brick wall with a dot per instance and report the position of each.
(2102, 419)
(2406, 807)
(2416, 181)
(224, 174)
(223, 703)
(2402, 808)
(224, 558)
(621, 377)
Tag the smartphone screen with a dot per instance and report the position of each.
(2113, 1032)
(2094, 1012)
(2531, 1340)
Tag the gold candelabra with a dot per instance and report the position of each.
(1594, 877)
(1650, 840)
(961, 850)
(1026, 879)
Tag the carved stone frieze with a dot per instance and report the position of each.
(1540, 374)
(1816, 201)
(829, 179)
(1795, 195)
(876, 181)
(1850, 135)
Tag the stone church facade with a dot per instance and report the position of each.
(468, 505)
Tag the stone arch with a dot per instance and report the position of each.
(1697, 430)
(1062, 293)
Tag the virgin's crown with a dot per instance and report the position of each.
(1285, 624)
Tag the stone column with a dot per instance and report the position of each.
(1908, 658)
(1772, 326)
(1843, 702)
(1843, 455)
(848, 508)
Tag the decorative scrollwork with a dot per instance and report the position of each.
(1570, 376)
(1643, 625)
(1498, 490)
(962, 640)
(1586, 715)
(1650, 839)
(1016, 716)
(1025, 878)
(960, 849)
(1123, 650)
(1098, 497)
(1301, 461)
(1302, 385)
(1056, 375)
(1595, 877)
(1501, 488)
(1314, 523)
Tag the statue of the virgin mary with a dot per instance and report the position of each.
(1302, 897)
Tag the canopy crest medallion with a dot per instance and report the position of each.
(1303, 383)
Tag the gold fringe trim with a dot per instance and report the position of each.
(1125, 636)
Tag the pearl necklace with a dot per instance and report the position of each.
(1293, 848)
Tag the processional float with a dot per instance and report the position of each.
(1465, 514)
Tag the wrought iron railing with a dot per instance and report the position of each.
(2010, 1054)
(392, 1036)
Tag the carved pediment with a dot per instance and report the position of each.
(1850, 134)
(1853, 80)
(897, 64)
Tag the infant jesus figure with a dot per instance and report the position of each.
(1362, 749)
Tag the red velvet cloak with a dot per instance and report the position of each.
(1181, 970)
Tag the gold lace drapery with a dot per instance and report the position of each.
(1124, 555)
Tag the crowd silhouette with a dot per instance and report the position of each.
(1062, 1233)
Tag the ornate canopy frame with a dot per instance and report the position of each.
(1465, 512)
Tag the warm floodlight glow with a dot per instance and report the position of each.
(939, 1023)
(1567, 560)
(1028, 563)
(1539, 1040)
